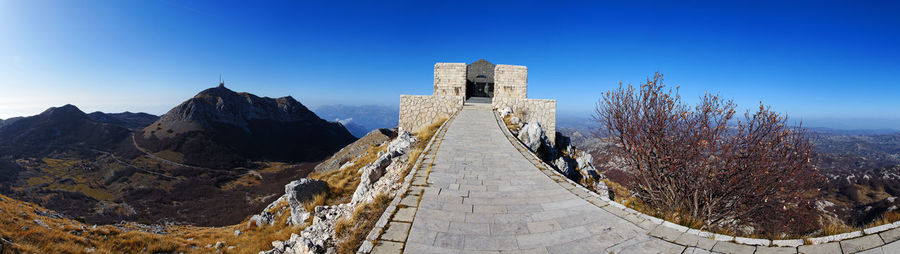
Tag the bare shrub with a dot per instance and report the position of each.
(696, 164)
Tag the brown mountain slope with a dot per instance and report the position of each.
(220, 128)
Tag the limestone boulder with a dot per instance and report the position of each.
(505, 112)
(586, 166)
(515, 120)
(298, 191)
(262, 219)
(267, 216)
(295, 244)
(402, 143)
(532, 135)
(567, 167)
(375, 170)
(584, 159)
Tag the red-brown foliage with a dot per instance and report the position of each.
(699, 164)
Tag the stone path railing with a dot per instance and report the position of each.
(878, 239)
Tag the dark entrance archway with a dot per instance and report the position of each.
(480, 79)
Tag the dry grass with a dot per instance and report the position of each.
(18, 225)
(839, 227)
(512, 127)
(351, 232)
(342, 183)
(424, 136)
(834, 228)
(623, 196)
(886, 218)
(78, 175)
(317, 200)
(254, 177)
(170, 155)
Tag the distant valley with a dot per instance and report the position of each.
(360, 120)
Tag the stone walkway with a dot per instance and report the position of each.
(483, 195)
(476, 192)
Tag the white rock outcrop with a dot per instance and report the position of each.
(532, 135)
(295, 193)
(298, 191)
(585, 165)
(515, 121)
(381, 176)
(374, 171)
(317, 237)
(505, 112)
(267, 216)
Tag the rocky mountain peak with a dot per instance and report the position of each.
(234, 127)
(223, 106)
(67, 110)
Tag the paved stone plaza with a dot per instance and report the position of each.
(477, 192)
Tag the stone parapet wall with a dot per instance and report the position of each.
(510, 81)
(450, 79)
(542, 111)
(417, 111)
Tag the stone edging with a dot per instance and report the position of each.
(854, 241)
(369, 244)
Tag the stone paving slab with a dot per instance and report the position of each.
(825, 248)
(397, 231)
(385, 247)
(890, 235)
(860, 244)
(892, 248)
(775, 250)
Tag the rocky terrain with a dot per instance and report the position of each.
(349, 152)
(381, 176)
(567, 157)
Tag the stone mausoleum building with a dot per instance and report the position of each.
(477, 83)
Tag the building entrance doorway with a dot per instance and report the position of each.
(480, 79)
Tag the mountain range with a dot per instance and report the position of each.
(212, 160)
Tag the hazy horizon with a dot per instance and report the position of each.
(829, 64)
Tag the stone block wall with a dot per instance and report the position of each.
(450, 79)
(510, 81)
(417, 111)
(534, 110)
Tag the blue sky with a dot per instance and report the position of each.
(831, 64)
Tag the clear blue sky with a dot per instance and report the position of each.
(828, 63)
